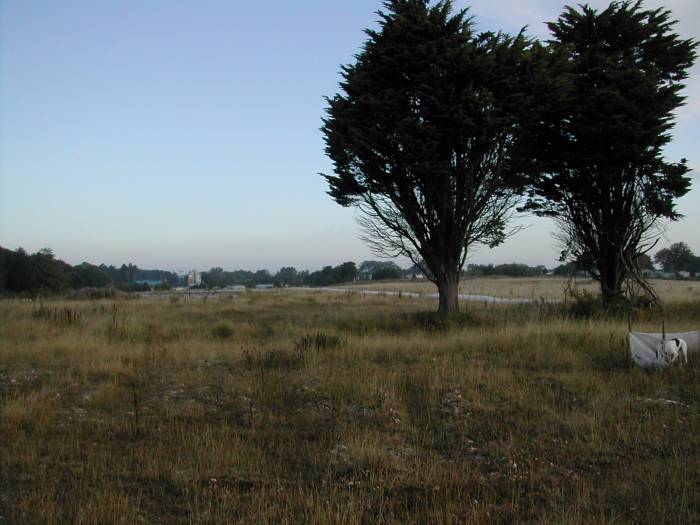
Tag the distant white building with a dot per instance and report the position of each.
(264, 286)
(194, 278)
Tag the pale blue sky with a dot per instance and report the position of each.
(180, 134)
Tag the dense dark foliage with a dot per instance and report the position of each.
(423, 134)
(127, 275)
(86, 275)
(678, 258)
(287, 276)
(616, 77)
(510, 270)
(378, 270)
(42, 272)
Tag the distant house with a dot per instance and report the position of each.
(234, 288)
(684, 275)
(194, 278)
(264, 286)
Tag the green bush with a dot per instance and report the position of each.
(222, 331)
(582, 304)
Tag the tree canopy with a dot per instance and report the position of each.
(422, 136)
(678, 258)
(600, 170)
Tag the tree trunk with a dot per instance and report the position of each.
(448, 291)
(612, 277)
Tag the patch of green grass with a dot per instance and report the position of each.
(223, 331)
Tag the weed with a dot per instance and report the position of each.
(222, 331)
(66, 316)
(584, 305)
(318, 341)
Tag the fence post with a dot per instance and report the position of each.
(663, 330)
(627, 344)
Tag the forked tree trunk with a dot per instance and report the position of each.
(448, 292)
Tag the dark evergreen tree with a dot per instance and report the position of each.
(213, 278)
(262, 277)
(5, 257)
(644, 262)
(676, 258)
(87, 275)
(21, 276)
(386, 270)
(601, 173)
(422, 137)
(344, 273)
(51, 274)
(287, 276)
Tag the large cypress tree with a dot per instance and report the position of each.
(422, 137)
(601, 172)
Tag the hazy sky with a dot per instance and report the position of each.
(181, 134)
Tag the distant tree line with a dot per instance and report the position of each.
(131, 276)
(578, 267)
(509, 270)
(678, 257)
(290, 276)
(42, 272)
(22, 272)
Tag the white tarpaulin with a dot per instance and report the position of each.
(646, 349)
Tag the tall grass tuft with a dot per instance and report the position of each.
(318, 341)
(65, 316)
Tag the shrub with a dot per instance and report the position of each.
(586, 305)
(582, 304)
(222, 331)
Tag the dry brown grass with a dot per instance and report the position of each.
(535, 288)
(312, 408)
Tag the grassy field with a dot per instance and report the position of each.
(535, 288)
(311, 408)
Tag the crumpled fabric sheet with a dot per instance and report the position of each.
(645, 349)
